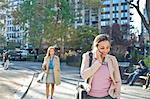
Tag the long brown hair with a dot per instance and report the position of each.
(48, 51)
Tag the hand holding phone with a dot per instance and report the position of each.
(99, 55)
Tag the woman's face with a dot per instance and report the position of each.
(104, 47)
(51, 51)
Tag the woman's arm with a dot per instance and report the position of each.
(117, 77)
(44, 67)
(86, 71)
(58, 63)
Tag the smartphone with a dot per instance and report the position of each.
(100, 52)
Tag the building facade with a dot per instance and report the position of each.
(13, 33)
(111, 11)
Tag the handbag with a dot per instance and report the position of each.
(82, 87)
(42, 77)
(82, 90)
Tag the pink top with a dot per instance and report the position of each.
(101, 82)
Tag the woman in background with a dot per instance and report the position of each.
(51, 65)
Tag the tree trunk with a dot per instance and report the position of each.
(148, 10)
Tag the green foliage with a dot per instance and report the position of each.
(65, 11)
(86, 37)
(12, 45)
(30, 57)
(40, 19)
(136, 56)
(2, 40)
(41, 57)
(73, 60)
(3, 4)
(92, 3)
(147, 61)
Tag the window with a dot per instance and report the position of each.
(105, 16)
(124, 14)
(104, 23)
(115, 1)
(7, 29)
(106, 2)
(123, 0)
(7, 22)
(123, 21)
(105, 9)
(115, 8)
(115, 15)
(124, 7)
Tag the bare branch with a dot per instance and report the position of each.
(130, 2)
(143, 19)
(145, 22)
(138, 3)
(148, 10)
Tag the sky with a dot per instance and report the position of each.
(136, 18)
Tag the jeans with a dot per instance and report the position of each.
(132, 78)
(106, 97)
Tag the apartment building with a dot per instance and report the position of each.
(13, 33)
(111, 11)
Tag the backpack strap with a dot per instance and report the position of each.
(90, 62)
(90, 58)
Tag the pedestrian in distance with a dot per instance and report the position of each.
(141, 69)
(103, 74)
(51, 66)
(5, 60)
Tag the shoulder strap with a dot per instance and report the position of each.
(90, 58)
(90, 62)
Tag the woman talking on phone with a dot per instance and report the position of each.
(104, 76)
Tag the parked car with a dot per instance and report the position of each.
(18, 55)
(14, 55)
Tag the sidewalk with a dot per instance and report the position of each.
(67, 88)
(13, 82)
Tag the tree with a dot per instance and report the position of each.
(26, 16)
(54, 19)
(2, 38)
(3, 4)
(146, 21)
(52, 16)
(2, 41)
(86, 37)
